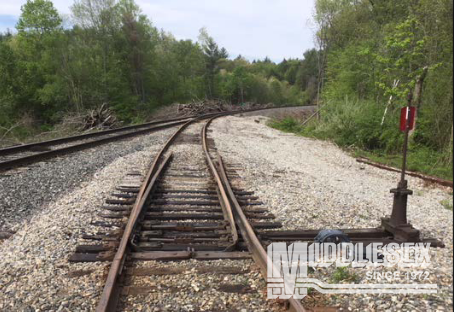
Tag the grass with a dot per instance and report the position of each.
(343, 274)
(420, 158)
(447, 203)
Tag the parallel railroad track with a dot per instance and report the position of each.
(20, 155)
(188, 208)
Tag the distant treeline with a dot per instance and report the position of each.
(109, 52)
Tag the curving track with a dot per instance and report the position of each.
(185, 209)
(20, 155)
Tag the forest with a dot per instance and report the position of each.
(371, 58)
(107, 51)
(378, 55)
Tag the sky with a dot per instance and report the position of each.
(253, 28)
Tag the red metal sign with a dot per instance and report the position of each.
(407, 113)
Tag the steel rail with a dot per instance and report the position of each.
(26, 147)
(227, 209)
(9, 164)
(109, 297)
(253, 243)
(424, 177)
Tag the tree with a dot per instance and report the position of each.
(375, 50)
(99, 21)
(191, 67)
(10, 89)
(212, 55)
(113, 54)
(38, 17)
(136, 36)
(39, 29)
(224, 53)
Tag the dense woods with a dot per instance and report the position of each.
(373, 54)
(107, 51)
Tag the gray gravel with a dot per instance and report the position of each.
(34, 271)
(26, 191)
(52, 204)
(35, 274)
(192, 291)
(311, 184)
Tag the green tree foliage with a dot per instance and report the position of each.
(112, 53)
(212, 54)
(376, 51)
(38, 17)
(35, 65)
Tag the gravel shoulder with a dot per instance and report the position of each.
(50, 205)
(60, 199)
(26, 191)
(327, 188)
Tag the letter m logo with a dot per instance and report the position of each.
(284, 265)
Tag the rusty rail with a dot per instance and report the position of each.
(109, 297)
(226, 205)
(137, 130)
(25, 147)
(77, 147)
(254, 244)
(410, 173)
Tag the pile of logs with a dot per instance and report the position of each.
(213, 106)
(203, 107)
(251, 105)
(100, 118)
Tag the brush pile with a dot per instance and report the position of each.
(214, 106)
(203, 107)
(100, 118)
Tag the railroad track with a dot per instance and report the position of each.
(25, 154)
(188, 207)
(19, 155)
(184, 209)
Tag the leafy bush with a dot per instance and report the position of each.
(357, 124)
(447, 203)
(288, 124)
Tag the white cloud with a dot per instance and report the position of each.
(254, 28)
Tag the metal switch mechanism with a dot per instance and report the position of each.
(339, 237)
(332, 236)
